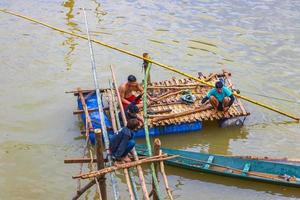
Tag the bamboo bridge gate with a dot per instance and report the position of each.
(98, 158)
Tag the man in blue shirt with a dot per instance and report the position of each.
(220, 97)
(122, 143)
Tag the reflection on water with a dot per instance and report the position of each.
(73, 27)
(212, 139)
(183, 176)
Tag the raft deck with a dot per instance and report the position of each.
(169, 114)
(176, 111)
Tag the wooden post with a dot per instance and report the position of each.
(100, 162)
(156, 151)
(145, 65)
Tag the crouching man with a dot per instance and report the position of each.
(122, 143)
(220, 97)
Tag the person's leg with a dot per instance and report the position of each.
(214, 102)
(226, 101)
(130, 145)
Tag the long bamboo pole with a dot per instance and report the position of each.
(149, 60)
(136, 158)
(101, 114)
(154, 176)
(125, 165)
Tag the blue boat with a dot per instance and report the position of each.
(287, 174)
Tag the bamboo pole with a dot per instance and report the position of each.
(149, 60)
(100, 108)
(84, 189)
(88, 128)
(130, 172)
(76, 112)
(157, 150)
(112, 92)
(85, 108)
(162, 170)
(157, 193)
(112, 113)
(124, 165)
(100, 162)
(139, 168)
(113, 121)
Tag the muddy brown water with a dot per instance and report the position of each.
(258, 41)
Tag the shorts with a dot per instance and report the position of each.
(220, 106)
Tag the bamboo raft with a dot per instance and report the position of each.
(168, 114)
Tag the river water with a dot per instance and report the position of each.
(258, 41)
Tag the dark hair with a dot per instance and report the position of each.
(219, 84)
(133, 108)
(131, 78)
(132, 124)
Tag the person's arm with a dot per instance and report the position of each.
(140, 88)
(206, 97)
(122, 95)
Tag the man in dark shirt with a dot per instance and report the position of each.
(122, 143)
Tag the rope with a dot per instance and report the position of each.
(149, 60)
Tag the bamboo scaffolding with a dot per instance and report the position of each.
(124, 165)
(116, 118)
(114, 125)
(139, 168)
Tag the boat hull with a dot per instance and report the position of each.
(254, 170)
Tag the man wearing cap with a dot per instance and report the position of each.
(220, 97)
(129, 91)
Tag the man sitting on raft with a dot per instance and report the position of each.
(129, 91)
(220, 97)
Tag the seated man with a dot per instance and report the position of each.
(131, 112)
(129, 90)
(122, 143)
(220, 97)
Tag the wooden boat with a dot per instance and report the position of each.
(287, 174)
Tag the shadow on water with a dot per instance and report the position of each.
(233, 182)
(72, 26)
(211, 139)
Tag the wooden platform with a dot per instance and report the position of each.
(171, 110)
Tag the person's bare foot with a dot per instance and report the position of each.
(226, 114)
(126, 159)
